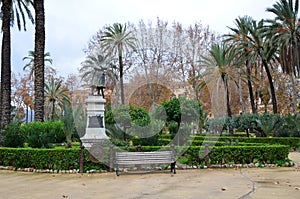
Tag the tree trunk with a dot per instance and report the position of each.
(227, 97)
(294, 95)
(273, 95)
(249, 83)
(6, 64)
(121, 76)
(229, 113)
(39, 50)
(240, 94)
(53, 110)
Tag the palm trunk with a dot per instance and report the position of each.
(121, 76)
(53, 110)
(249, 83)
(294, 95)
(6, 64)
(39, 50)
(229, 113)
(273, 95)
(240, 95)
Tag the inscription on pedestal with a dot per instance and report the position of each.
(96, 121)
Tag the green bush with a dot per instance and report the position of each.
(43, 134)
(13, 135)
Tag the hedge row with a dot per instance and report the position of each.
(228, 154)
(55, 159)
(67, 159)
(293, 142)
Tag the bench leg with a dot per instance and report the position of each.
(117, 170)
(173, 167)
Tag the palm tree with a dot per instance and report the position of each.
(10, 11)
(115, 41)
(30, 64)
(258, 47)
(261, 47)
(220, 60)
(239, 40)
(39, 49)
(285, 32)
(95, 64)
(55, 96)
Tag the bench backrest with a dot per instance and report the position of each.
(156, 157)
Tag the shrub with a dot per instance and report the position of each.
(43, 134)
(13, 135)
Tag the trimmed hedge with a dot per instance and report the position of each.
(229, 154)
(293, 142)
(68, 159)
(55, 159)
(248, 154)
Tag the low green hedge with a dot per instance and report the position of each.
(293, 142)
(55, 159)
(228, 154)
(67, 159)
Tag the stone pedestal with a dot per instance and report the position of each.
(95, 129)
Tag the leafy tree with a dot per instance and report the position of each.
(115, 41)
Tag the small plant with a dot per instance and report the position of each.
(13, 135)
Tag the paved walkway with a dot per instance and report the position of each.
(205, 183)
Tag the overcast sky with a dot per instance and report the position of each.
(71, 23)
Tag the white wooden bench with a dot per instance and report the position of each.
(145, 158)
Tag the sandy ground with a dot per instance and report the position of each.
(205, 183)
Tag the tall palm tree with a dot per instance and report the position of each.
(239, 40)
(56, 96)
(285, 32)
(30, 64)
(10, 11)
(115, 41)
(39, 49)
(261, 47)
(258, 47)
(220, 60)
